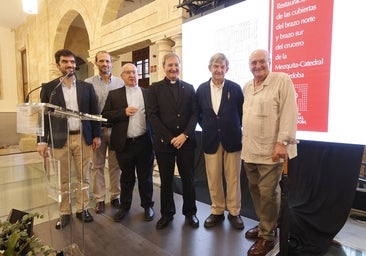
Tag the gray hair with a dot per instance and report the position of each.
(168, 55)
(218, 57)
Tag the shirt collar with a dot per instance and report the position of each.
(101, 79)
(214, 86)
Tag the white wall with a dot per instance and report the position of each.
(8, 80)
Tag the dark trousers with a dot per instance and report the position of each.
(136, 156)
(185, 163)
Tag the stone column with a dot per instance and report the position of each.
(177, 48)
(164, 47)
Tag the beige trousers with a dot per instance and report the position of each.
(75, 151)
(264, 188)
(227, 164)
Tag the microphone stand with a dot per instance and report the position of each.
(29, 93)
(69, 74)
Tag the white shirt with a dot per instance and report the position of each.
(137, 122)
(71, 100)
(216, 94)
(269, 116)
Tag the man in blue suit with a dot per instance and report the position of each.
(77, 95)
(220, 104)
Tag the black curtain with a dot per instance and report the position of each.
(322, 184)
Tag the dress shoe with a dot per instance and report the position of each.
(193, 221)
(253, 233)
(119, 216)
(149, 213)
(236, 221)
(84, 216)
(213, 220)
(261, 247)
(163, 222)
(63, 221)
(115, 203)
(100, 207)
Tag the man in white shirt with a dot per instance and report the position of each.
(269, 132)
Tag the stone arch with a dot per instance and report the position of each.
(62, 29)
(110, 11)
(65, 33)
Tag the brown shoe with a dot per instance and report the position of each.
(213, 220)
(261, 247)
(236, 221)
(252, 233)
(100, 207)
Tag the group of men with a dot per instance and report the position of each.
(160, 122)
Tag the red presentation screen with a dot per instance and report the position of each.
(301, 47)
(318, 43)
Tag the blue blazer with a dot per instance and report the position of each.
(225, 127)
(87, 103)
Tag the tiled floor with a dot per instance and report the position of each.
(23, 187)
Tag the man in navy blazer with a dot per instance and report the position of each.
(125, 108)
(77, 95)
(172, 110)
(220, 104)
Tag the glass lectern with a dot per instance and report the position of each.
(31, 120)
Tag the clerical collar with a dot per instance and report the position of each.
(172, 81)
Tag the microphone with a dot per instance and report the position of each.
(29, 93)
(62, 78)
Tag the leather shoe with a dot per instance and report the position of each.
(236, 221)
(115, 203)
(119, 216)
(253, 233)
(261, 247)
(163, 222)
(63, 221)
(100, 207)
(84, 216)
(193, 221)
(149, 213)
(213, 220)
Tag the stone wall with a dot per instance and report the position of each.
(156, 24)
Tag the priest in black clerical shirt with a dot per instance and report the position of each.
(172, 111)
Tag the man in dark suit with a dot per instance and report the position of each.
(77, 95)
(172, 110)
(220, 104)
(131, 139)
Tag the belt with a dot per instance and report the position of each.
(137, 138)
(106, 125)
(74, 132)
